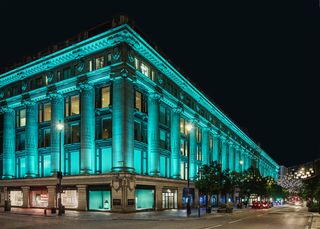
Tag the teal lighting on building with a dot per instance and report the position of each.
(125, 110)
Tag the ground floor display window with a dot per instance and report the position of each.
(16, 198)
(39, 198)
(169, 198)
(69, 198)
(144, 198)
(188, 193)
(99, 200)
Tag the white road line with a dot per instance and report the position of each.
(213, 226)
(235, 221)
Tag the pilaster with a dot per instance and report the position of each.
(52, 196)
(57, 107)
(215, 148)
(31, 144)
(231, 156)
(158, 204)
(193, 153)
(175, 142)
(82, 197)
(224, 159)
(205, 146)
(153, 134)
(122, 122)
(25, 197)
(9, 137)
(87, 128)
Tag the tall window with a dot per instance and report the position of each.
(183, 124)
(164, 115)
(199, 139)
(20, 141)
(21, 118)
(145, 69)
(106, 131)
(140, 131)
(44, 137)
(73, 133)
(66, 73)
(184, 147)
(72, 105)
(140, 102)
(184, 171)
(105, 96)
(164, 140)
(99, 62)
(44, 112)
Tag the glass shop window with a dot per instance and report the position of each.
(44, 112)
(99, 200)
(99, 62)
(21, 118)
(72, 105)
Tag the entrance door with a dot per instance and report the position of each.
(169, 200)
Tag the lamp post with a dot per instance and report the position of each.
(60, 127)
(189, 128)
(241, 163)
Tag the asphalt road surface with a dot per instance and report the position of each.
(287, 217)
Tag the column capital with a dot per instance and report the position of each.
(155, 96)
(177, 109)
(6, 109)
(84, 86)
(55, 96)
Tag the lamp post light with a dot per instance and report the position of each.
(241, 163)
(60, 127)
(189, 128)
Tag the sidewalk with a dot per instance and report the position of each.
(172, 214)
(315, 221)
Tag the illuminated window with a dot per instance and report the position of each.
(184, 170)
(153, 75)
(90, 66)
(44, 112)
(198, 134)
(105, 97)
(99, 62)
(72, 105)
(183, 126)
(136, 63)
(106, 131)
(184, 147)
(199, 153)
(75, 133)
(145, 69)
(138, 101)
(21, 118)
(164, 139)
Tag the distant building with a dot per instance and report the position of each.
(283, 171)
(305, 170)
(124, 111)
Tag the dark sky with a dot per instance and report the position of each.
(256, 60)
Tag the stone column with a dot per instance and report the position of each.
(243, 166)
(57, 116)
(153, 134)
(224, 159)
(192, 153)
(25, 196)
(9, 143)
(175, 143)
(31, 144)
(82, 197)
(158, 197)
(215, 148)
(237, 159)
(87, 129)
(231, 157)
(122, 124)
(205, 146)
(179, 196)
(52, 196)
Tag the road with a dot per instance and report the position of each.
(288, 217)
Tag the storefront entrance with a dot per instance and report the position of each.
(16, 198)
(144, 197)
(39, 198)
(169, 199)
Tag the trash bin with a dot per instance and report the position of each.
(7, 205)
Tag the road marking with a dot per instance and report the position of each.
(213, 226)
(235, 221)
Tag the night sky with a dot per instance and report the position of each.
(257, 63)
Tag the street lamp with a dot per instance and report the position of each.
(60, 127)
(241, 163)
(189, 128)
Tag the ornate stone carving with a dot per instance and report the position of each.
(116, 53)
(131, 56)
(123, 181)
(1, 94)
(24, 85)
(55, 97)
(80, 66)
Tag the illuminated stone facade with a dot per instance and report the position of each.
(125, 110)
